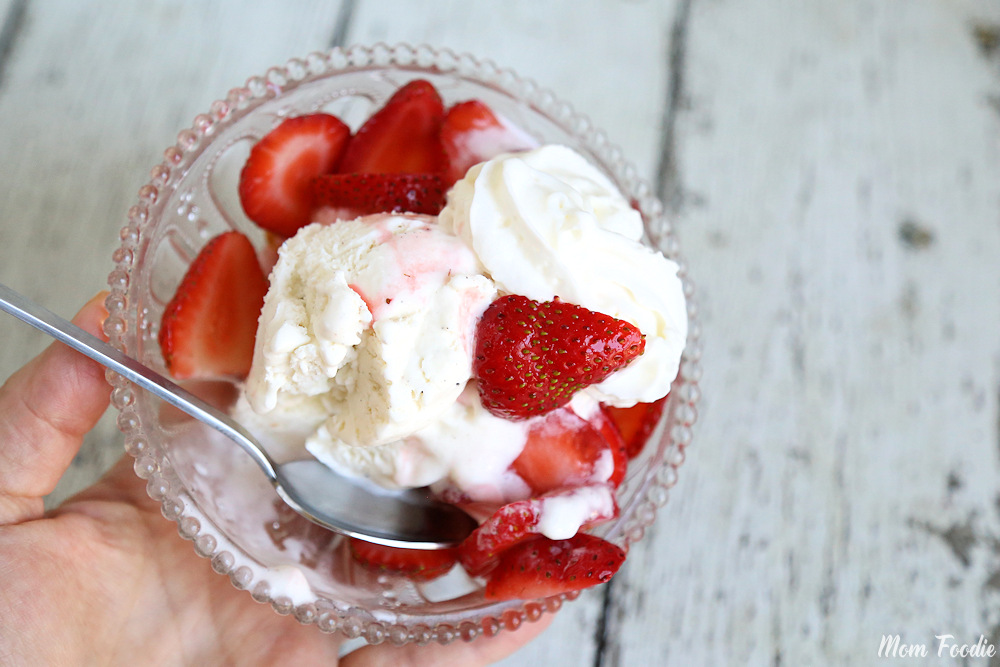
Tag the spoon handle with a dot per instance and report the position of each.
(66, 332)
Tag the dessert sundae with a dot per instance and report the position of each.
(442, 302)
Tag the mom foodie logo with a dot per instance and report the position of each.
(892, 646)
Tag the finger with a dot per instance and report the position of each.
(478, 653)
(46, 408)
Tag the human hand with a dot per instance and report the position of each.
(105, 578)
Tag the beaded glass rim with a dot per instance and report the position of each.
(673, 433)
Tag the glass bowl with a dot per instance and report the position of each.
(217, 496)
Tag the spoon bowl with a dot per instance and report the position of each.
(411, 519)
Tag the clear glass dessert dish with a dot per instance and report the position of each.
(216, 495)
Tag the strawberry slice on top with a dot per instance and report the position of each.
(404, 136)
(473, 133)
(541, 567)
(276, 181)
(208, 327)
(354, 195)
(532, 356)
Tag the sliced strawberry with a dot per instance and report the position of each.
(635, 424)
(473, 133)
(565, 450)
(208, 327)
(531, 357)
(403, 136)
(510, 525)
(542, 567)
(276, 179)
(416, 563)
(354, 195)
(519, 521)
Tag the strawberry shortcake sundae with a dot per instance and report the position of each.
(442, 302)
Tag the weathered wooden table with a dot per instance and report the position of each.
(834, 172)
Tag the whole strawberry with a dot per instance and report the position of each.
(532, 356)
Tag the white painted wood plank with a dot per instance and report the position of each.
(9, 10)
(851, 362)
(92, 95)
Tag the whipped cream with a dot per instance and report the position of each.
(370, 322)
(546, 223)
(561, 516)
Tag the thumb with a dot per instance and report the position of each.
(46, 408)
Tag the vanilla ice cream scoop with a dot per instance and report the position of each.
(370, 321)
(546, 223)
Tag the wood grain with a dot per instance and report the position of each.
(839, 171)
(91, 96)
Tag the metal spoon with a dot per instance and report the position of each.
(410, 519)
